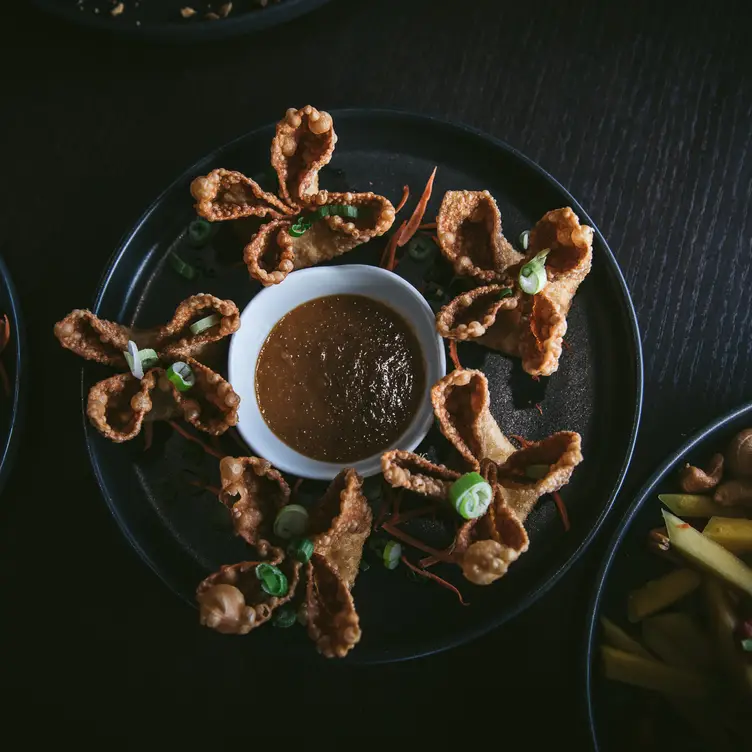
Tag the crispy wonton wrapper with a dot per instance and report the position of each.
(529, 326)
(403, 469)
(468, 226)
(303, 144)
(119, 405)
(339, 526)
(232, 600)
(254, 492)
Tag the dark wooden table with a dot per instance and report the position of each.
(643, 112)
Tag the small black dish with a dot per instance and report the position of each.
(611, 706)
(597, 390)
(14, 360)
(160, 20)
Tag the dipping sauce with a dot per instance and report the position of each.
(340, 378)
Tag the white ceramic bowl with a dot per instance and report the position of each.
(270, 305)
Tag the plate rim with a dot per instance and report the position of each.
(9, 451)
(626, 304)
(181, 32)
(625, 523)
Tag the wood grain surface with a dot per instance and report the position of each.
(642, 110)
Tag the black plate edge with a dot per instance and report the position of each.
(18, 409)
(186, 32)
(638, 375)
(645, 493)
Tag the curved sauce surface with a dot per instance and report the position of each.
(340, 378)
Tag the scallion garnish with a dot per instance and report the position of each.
(291, 521)
(747, 645)
(420, 248)
(284, 617)
(132, 359)
(470, 495)
(199, 232)
(183, 268)
(364, 565)
(391, 555)
(338, 210)
(273, 580)
(205, 323)
(300, 226)
(532, 277)
(149, 358)
(536, 472)
(505, 293)
(181, 375)
(301, 550)
(525, 239)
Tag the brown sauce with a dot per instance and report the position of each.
(340, 378)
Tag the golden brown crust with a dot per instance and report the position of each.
(415, 473)
(228, 194)
(93, 338)
(461, 405)
(254, 492)
(303, 144)
(269, 256)
(232, 601)
(542, 330)
(469, 230)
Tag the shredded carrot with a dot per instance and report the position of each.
(566, 344)
(4, 332)
(453, 355)
(436, 240)
(148, 435)
(399, 517)
(403, 200)
(428, 226)
(296, 487)
(539, 408)
(435, 578)
(200, 484)
(420, 210)
(562, 510)
(389, 257)
(520, 440)
(384, 510)
(188, 436)
(428, 561)
(414, 542)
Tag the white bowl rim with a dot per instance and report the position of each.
(251, 425)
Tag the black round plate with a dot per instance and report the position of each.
(160, 20)
(613, 707)
(13, 358)
(597, 390)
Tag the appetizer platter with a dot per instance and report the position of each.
(271, 412)
(12, 373)
(670, 637)
(178, 20)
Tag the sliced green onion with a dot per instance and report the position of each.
(206, 323)
(536, 472)
(470, 495)
(301, 550)
(284, 617)
(525, 239)
(181, 267)
(133, 359)
(300, 226)
(149, 358)
(747, 645)
(199, 231)
(291, 521)
(181, 374)
(273, 580)
(505, 293)
(364, 565)
(420, 248)
(391, 555)
(339, 210)
(533, 277)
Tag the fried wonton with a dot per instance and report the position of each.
(118, 406)
(303, 144)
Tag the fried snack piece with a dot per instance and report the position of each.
(694, 480)
(254, 492)
(486, 315)
(232, 600)
(273, 253)
(339, 525)
(469, 230)
(117, 406)
(303, 144)
(415, 473)
(228, 194)
(461, 404)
